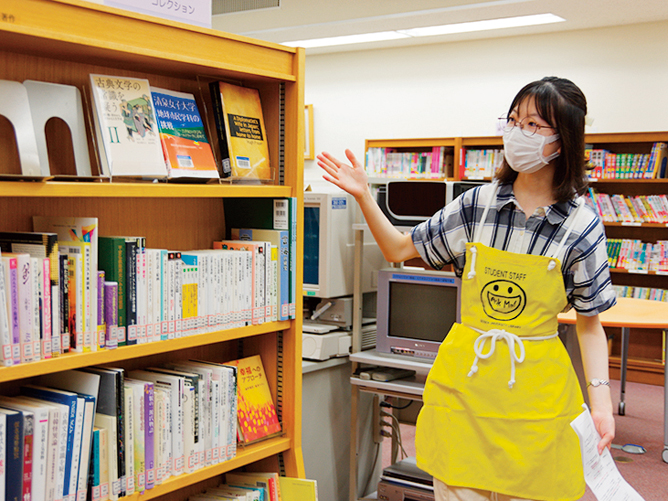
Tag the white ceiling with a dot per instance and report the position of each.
(306, 19)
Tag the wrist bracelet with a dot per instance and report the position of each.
(598, 382)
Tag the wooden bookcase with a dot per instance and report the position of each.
(63, 41)
(645, 344)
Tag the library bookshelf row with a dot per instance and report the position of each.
(61, 41)
(645, 350)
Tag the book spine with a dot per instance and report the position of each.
(37, 300)
(28, 451)
(14, 466)
(111, 314)
(26, 313)
(5, 332)
(128, 423)
(100, 324)
(47, 316)
(131, 291)
(12, 289)
(216, 98)
(4, 451)
(64, 296)
(149, 434)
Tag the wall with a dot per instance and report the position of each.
(459, 89)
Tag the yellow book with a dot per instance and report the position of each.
(242, 136)
(298, 489)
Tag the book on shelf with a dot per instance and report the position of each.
(13, 485)
(256, 412)
(25, 306)
(185, 146)
(6, 322)
(137, 421)
(298, 489)
(242, 137)
(79, 254)
(129, 485)
(125, 126)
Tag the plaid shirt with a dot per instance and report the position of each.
(442, 240)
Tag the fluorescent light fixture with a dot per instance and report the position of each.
(446, 29)
(489, 24)
(380, 36)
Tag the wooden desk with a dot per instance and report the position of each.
(640, 314)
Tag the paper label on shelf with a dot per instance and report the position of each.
(630, 223)
(601, 473)
(196, 12)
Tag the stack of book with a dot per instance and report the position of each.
(650, 293)
(629, 209)
(637, 256)
(390, 163)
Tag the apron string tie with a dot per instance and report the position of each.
(474, 253)
(511, 339)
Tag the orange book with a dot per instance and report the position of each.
(256, 413)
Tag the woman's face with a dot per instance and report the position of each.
(527, 115)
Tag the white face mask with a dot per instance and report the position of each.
(525, 154)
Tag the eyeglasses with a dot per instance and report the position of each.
(528, 126)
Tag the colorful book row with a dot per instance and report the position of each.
(390, 163)
(607, 165)
(641, 292)
(63, 288)
(629, 209)
(638, 256)
(479, 164)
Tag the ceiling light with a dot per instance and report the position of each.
(446, 29)
(380, 36)
(489, 24)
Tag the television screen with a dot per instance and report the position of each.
(420, 311)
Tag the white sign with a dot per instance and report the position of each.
(196, 12)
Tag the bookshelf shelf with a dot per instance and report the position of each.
(69, 361)
(63, 42)
(67, 189)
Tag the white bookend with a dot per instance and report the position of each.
(15, 106)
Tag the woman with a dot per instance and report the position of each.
(500, 397)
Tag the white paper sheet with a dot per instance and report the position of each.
(601, 473)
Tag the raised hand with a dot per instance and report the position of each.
(350, 178)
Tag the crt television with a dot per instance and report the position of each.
(329, 247)
(416, 308)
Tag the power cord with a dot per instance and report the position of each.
(396, 430)
(390, 406)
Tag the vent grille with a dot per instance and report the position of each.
(230, 6)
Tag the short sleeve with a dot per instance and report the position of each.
(588, 284)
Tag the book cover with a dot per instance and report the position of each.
(240, 125)
(256, 413)
(185, 146)
(126, 127)
(298, 489)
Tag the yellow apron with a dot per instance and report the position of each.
(500, 397)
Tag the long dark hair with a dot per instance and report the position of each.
(563, 105)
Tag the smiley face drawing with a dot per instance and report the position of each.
(503, 300)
